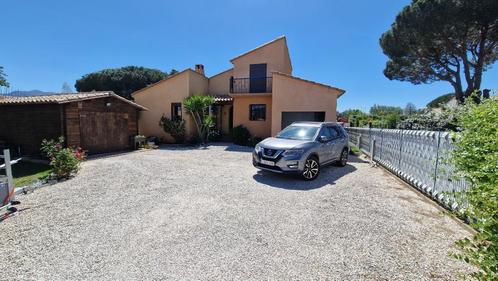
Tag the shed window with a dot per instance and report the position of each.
(257, 112)
(176, 111)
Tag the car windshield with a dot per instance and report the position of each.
(298, 133)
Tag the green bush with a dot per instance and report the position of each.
(198, 107)
(64, 161)
(241, 135)
(214, 135)
(176, 128)
(476, 157)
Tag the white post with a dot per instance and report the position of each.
(8, 171)
(372, 151)
(359, 141)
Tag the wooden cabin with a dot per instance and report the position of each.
(98, 122)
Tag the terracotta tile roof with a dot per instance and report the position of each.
(223, 98)
(341, 91)
(63, 98)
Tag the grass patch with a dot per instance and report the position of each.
(355, 150)
(28, 172)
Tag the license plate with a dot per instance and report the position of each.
(266, 162)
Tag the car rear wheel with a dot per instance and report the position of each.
(344, 158)
(311, 168)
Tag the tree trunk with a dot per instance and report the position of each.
(459, 95)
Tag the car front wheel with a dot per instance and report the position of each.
(344, 158)
(311, 168)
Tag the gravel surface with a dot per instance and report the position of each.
(207, 214)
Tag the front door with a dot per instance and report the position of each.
(257, 78)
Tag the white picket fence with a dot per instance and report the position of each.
(418, 157)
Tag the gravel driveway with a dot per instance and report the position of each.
(207, 214)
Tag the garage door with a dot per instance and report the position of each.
(103, 131)
(290, 117)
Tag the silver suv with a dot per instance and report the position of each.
(303, 147)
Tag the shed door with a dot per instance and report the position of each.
(103, 131)
(290, 117)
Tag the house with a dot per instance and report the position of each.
(259, 92)
(96, 121)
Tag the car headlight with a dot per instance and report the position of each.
(257, 148)
(293, 153)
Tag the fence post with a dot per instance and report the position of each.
(400, 148)
(8, 172)
(372, 150)
(381, 143)
(437, 160)
(359, 141)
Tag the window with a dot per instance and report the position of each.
(329, 132)
(176, 111)
(257, 112)
(298, 132)
(333, 132)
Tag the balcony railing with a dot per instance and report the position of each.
(250, 85)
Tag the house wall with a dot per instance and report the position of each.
(241, 114)
(225, 119)
(220, 84)
(159, 97)
(290, 94)
(25, 126)
(198, 84)
(274, 55)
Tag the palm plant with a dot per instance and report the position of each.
(198, 107)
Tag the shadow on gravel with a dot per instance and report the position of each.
(356, 159)
(228, 147)
(109, 154)
(328, 175)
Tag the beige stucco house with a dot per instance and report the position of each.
(258, 92)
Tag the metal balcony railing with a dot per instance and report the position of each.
(250, 85)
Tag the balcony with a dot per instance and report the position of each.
(250, 85)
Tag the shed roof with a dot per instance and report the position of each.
(63, 98)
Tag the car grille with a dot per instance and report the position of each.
(272, 153)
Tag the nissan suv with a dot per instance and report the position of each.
(303, 148)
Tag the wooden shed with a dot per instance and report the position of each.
(96, 121)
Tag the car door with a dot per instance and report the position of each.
(336, 143)
(326, 145)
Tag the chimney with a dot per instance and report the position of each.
(199, 68)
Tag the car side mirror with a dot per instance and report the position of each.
(324, 139)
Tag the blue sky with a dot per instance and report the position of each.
(46, 43)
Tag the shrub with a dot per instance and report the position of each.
(476, 157)
(430, 121)
(64, 161)
(214, 135)
(175, 127)
(139, 141)
(198, 107)
(241, 135)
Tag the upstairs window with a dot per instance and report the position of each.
(176, 111)
(257, 112)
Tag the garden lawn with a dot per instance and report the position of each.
(26, 173)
